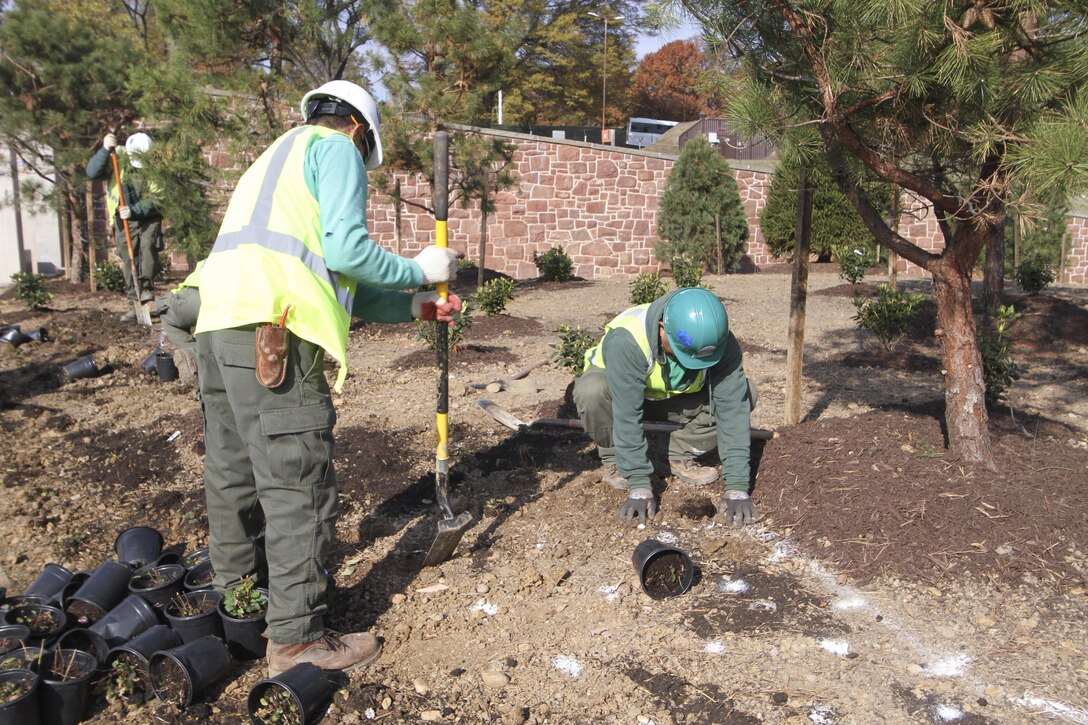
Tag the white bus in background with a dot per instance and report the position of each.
(642, 132)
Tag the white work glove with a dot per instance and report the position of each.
(438, 265)
(124, 212)
(429, 306)
(109, 142)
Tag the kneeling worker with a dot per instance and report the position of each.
(675, 360)
(178, 310)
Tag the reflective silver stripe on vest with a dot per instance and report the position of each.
(262, 210)
(292, 247)
(257, 231)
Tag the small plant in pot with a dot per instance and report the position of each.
(157, 584)
(242, 610)
(195, 614)
(44, 621)
(245, 600)
(293, 697)
(13, 636)
(125, 679)
(66, 685)
(18, 696)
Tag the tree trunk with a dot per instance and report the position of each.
(92, 260)
(79, 233)
(396, 218)
(961, 363)
(993, 276)
(25, 264)
(65, 221)
(802, 248)
(482, 259)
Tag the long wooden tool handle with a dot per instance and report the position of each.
(441, 331)
(124, 222)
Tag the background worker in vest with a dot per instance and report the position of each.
(294, 249)
(143, 216)
(674, 360)
(178, 310)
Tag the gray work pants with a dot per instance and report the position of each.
(147, 242)
(698, 435)
(177, 313)
(268, 465)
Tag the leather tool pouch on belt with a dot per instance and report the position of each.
(272, 346)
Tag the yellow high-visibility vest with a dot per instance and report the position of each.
(268, 255)
(634, 321)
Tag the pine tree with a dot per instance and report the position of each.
(701, 192)
(835, 223)
(971, 106)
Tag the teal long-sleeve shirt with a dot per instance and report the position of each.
(100, 168)
(336, 176)
(726, 390)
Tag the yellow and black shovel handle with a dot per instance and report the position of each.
(441, 215)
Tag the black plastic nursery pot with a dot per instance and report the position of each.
(13, 636)
(22, 658)
(148, 363)
(194, 626)
(131, 661)
(19, 706)
(13, 336)
(66, 685)
(73, 585)
(303, 690)
(663, 571)
(44, 622)
(50, 583)
(128, 619)
(38, 334)
(200, 577)
(179, 675)
(102, 591)
(138, 546)
(170, 556)
(20, 599)
(195, 558)
(83, 367)
(164, 364)
(245, 636)
(158, 584)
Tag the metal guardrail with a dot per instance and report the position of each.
(727, 141)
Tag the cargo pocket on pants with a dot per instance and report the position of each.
(300, 443)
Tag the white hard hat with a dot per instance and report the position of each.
(346, 93)
(137, 143)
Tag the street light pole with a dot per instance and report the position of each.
(604, 68)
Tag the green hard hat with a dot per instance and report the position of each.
(696, 326)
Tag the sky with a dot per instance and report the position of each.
(647, 44)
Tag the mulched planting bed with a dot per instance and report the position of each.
(879, 495)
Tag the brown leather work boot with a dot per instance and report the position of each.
(691, 472)
(331, 651)
(612, 477)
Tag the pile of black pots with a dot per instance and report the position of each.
(149, 623)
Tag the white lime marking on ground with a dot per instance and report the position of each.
(486, 607)
(715, 648)
(835, 646)
(610, 592)
(947, 713)
(567, 665)
(733, 586)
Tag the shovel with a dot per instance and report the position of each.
(489, 407)
(143, 314)
(451, 528)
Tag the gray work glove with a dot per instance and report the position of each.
(640, 503)
(109, 142)
(736, 509)
(124, 212)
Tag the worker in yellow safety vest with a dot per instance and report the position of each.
(672, 360)
(292, 264)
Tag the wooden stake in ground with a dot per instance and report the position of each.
(802, 246)
(92, 241)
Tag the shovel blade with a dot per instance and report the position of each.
(449, 536)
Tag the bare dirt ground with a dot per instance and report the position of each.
(887, 583)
